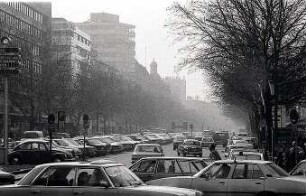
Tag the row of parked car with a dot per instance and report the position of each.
(38, 150)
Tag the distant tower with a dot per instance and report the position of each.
(153, 68)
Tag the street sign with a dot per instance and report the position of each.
(7, 50)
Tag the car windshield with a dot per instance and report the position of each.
(122, 177)
(71, 141)
(152, 136)
(94, 142)
(300, 170)
(62, 142)
(192, 143)
(156, 149)
(107, 140)
(207, 139)
(276, 171)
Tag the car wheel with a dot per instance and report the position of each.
(15, 160)
(57, 159)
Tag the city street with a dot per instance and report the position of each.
(125, 157)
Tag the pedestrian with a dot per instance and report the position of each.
(280, 159)
(213, 153)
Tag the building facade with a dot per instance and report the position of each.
(70, 45)
(113, 42)
(29, 26)
(177, 88)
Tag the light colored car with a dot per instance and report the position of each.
(299, 170)
(147, 150)
(127, 143)
(152, 168)
(245, 155)
(87, 179)
(248, 177)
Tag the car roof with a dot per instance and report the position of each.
(243, 161)
(83, 163)
(183, 158)
(148, 145)
(33, 140)
(187, 140)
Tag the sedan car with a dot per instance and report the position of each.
(178, 139)
(87, 179)
(248, 177)
(207, 141)
(190, 147)
(299, 170)
(147, 150)
(37, 151)
(160, 167)
(6, 178)
(245, 155)
(100, 148)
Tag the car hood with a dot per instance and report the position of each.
(165, 189)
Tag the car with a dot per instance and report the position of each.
(89, 150)
(198, 135)
(87, 179)
(221, 138)
(32, 135)
(138, 137)
(166, 139)
(190, 147)
(240, 177)
(37, 151)
(115, 146)
(153, 138)
(207, 141)
(245, 155)
(299, 170)
(6, 178)
(239, 144)
(76, 152)
(101, 148)
(127, 143)
(147, 150)
(178, 139)
(151, 168)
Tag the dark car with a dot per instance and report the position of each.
(100, 147)
(6, 178)
(190, 147)
(178, 139)
(152, 168)
(221, 138)
(36, 152)
(207, 141)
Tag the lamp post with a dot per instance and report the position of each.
(273, 92)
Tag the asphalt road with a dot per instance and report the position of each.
(125, 157)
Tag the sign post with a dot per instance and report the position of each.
(9, 65)
(86, 126)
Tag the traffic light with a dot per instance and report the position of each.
(51, 118)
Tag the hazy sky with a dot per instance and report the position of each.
(152, 39)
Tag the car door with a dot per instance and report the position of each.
(92, 181)
(246, 180)
(214, 180)
(145, 170)
(54, 181)
(26, 153)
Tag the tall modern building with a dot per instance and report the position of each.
(29, 27)
(177, 88)
(70, 45)
(113, 42)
